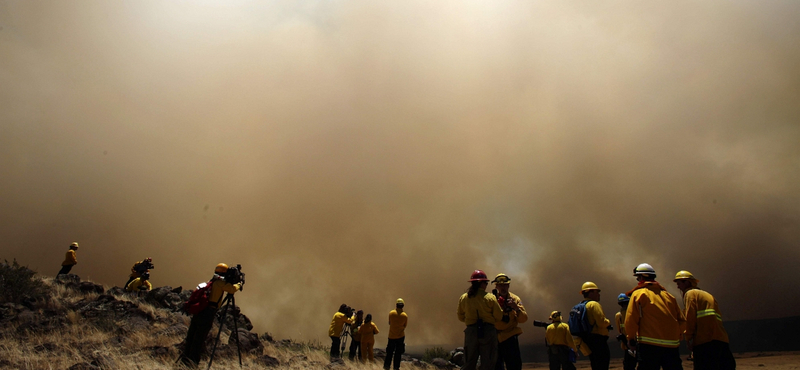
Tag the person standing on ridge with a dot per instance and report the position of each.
(507, 329)
(480, 311)
(397, 335)
(202, 322)
(705, 335)
(367, 332)
(629, 359)
(559, 344)
(71, 259)
(597, 339)
(653, 322)
(341, 317)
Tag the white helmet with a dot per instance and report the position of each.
(644, 269)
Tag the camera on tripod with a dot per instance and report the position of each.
(234, 275)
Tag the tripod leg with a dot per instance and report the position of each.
(224, 312)
(236, 328)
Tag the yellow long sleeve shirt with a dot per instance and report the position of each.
(337, 323)
(397, 324)
(138, 284)
(597, 318)
(703, 319)
(557, 334)
(483, 305)
(218, 287)
(511, 328)
(70, 258)
(653, 316)
(619, 318)
(367, 332)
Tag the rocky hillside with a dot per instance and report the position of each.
(66, 323)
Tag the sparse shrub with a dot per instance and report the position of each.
(435, 352)
(19, 284)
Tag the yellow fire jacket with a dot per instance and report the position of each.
(620, 321)
(483, 305)
(337, 323)
(367, 332)
(354, 331)
(557, 334)
(509, 329)
(397, 324)
(218, 287)
(138, 284)
(653, 316)
(597, 318)
(70, 258)
(703, 319)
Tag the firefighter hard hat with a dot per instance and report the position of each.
(587, 286)
(623, 298)
(221, 268)
(555, 316)
(478, 275)
(684, 275)
(400, 301)
(74, 245)
(644, 269)
(502, 279)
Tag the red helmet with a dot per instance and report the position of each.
(478, 275)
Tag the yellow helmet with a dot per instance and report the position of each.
(555, 316)
(74, 245)
(400, 301)
(589, 286)
(502, 279)
(221, 268)
(686, 275)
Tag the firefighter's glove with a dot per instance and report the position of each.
(622, 338)
(633, 344)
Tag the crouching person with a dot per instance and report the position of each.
(142, 283)
(204, 319)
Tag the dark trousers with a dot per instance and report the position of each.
(483, 346)
(601, 355)
(64, 270)
(394, 351)
(196, 336)
(508, 354)
(335, 343)
(355, 350)
(714, 355)
(628, 362)
(655, 357)
(559, 358)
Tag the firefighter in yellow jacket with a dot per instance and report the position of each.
(653, 322)
(396, 345)
(559, 344)
(367, 332)
(629, 357)
(139, 284)
(508, 329)
(71, 259)
(705, 335)
(480, 311)
(597, 340)
(202, 322)
(140, 268)
(341, 317)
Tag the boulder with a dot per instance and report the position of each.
(268, 361)
(458, 358)
(247, 341)
(441, 363)
(266, 337)
(336, 363)
(117, 291)
(242, 320)
(90, 287)
(64, 279)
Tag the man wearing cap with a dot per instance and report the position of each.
(507, 329)
(705, 335)
(559, 344)
(597, 339)
(629, 357)
(71, 259)
(653, 322)
(397, 335)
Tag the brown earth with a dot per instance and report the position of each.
(753, 360)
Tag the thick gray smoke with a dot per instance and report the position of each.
(357, 152)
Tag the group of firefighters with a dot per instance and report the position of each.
(649, 322)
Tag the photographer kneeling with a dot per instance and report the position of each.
(224, 280)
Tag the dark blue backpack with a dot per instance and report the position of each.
(578, 320)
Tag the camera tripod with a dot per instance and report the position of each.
(227, 302)
(345, 333)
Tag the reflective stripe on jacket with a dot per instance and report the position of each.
(509, 329)
(653, 316)
(703, 320)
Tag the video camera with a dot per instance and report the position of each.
(541, 324)
(234, 275)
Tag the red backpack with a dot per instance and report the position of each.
(198, 301)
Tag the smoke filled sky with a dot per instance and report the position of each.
(356, 151)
